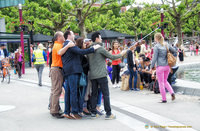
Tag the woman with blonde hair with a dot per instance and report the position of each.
(39, 59)
(162, 67)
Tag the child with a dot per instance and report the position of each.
(109, 69)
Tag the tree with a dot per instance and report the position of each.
(100, 21)
(192, 24)
(83, 10)
(132, 20)
(148, 16)
(34, 12)
(181, 12)
(52, 14)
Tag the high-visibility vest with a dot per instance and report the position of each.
(39, 57)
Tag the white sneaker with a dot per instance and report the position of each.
(118, 86)
(114, 85)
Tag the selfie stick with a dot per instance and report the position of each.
(149, 34)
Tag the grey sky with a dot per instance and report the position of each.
(149, 1)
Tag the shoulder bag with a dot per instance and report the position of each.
(82, 81)
(170, 58)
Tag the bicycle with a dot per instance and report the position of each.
(5, 73)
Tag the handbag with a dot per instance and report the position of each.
(170, 58)
(82, 81)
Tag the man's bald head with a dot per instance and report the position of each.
(59, 36)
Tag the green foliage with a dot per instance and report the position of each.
(52, 15)
(26, 57)
(183, 16)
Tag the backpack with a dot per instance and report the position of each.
(156, 87)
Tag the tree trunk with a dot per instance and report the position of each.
(150, 40)
(179, 31)
(193, 33)
(83, 30)
(136, 36)
(81, 23)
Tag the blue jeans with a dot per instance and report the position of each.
(99, 97)
(71, 100)
(81, 97)
(132, 73)
(0, 65)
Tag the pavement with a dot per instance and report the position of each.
(23, 107)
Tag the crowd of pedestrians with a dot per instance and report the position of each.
(82, 61)
(76, 62)
(80, 69)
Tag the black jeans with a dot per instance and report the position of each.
(19, 68)
(103, 83)
(115, 74)
(141, 77)
(147, 78)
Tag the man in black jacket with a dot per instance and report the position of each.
(132, 69)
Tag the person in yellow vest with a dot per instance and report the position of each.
(39, 59)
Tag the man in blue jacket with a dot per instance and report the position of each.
(72, 69)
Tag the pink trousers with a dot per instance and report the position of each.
(162, 73)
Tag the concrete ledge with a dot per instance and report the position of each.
(188, 65)
(187, 87)
(184, 86)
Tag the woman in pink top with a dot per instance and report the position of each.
(191, 48)
(197, 48)
(115, 64)
(19, 59)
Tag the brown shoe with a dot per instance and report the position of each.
(68, 116)
(75, 116)
(173, 96)
(57, 115)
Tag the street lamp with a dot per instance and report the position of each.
(162, 18)
(31, 41)
(21, 36)
(20, 6)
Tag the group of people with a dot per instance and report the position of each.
(3, 55)
(194, 48)
(73, 61)
(149, 64)
(18, 58)
(85, 60)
